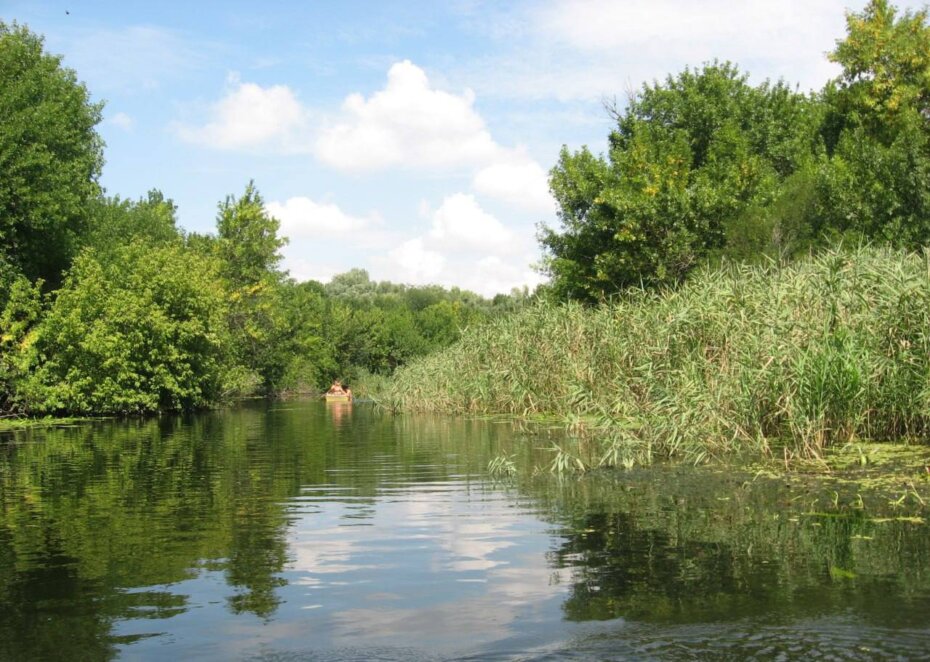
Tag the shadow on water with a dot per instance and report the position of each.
(299, 528)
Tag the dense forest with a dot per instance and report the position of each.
(108, 306)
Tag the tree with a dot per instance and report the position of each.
(354, 284)
(50, 156)
(248, 239)
(885, 83)
(248, 246)
(19, 315)
(144, 331)
(689, 158)
(877, 183)
(115, 222)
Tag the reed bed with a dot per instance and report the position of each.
(786, 358)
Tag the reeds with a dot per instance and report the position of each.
(818, 352)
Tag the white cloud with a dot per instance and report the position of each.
(588, 49)
(250, 117)
(461, 224)
(302, 217)
(302, 269)
(409, 124)
(493, 275)
(521, 183)
(758, 27)
(467, 247)
(417, 263)
(122, 121)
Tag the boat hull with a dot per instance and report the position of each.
(335, 397)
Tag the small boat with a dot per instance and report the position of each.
(338, 397)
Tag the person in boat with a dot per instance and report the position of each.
(347, 390)
(336, 389)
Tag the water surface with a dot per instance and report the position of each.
(301, 531)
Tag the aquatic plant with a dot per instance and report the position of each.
(823, 351)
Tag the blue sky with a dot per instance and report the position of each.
(408, 138)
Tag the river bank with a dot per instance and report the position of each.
(787, 360)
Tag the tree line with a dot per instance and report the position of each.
(704, 167)
(108, 306)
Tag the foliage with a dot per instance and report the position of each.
(50, 156)
(247, 239)
(885, 84)
(144, 331)
(689, 158)
(248, 246)
(115, 222)
(705, 166)
(876, 184)
(376, 327)
(19, 315)
(819, 352)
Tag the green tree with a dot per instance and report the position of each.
(144, 331)
(885, 84)
(689, 159)
(354, 285)
(248, 246)
(50, 156)
(247, 239)
(19, 315)
(115, 222)
(877, 183)
(310, 352)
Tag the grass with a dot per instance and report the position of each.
(785, 359)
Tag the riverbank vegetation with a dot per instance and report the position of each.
(108, 307)
(822, 351)
(744, 268)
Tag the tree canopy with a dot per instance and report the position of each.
(50, 156)
(704, 166)
(689, 158)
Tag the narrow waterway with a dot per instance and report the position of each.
(305, 531)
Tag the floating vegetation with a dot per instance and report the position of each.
(24, 423)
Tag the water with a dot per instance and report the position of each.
(300, 531)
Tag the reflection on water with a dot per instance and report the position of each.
(336, 532)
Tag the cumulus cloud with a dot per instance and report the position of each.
(409, 123)
(250, 117)
(301, 269)
(461, 224)
(302, 217)
(760, 27)
(522, 183)
(417, 263)
(464, 246)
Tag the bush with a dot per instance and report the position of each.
(143, 332)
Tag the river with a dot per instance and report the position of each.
(297, 530)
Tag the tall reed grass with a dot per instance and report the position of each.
(817, 352)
